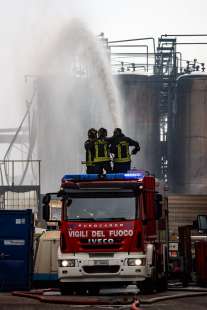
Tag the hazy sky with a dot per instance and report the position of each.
(28, 26)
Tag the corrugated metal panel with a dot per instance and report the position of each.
(183, 210)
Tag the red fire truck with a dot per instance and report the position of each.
(113, 232)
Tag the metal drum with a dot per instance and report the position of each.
(140, 100)
(188, 158)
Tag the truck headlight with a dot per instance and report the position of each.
(67, 263)
(135, 261)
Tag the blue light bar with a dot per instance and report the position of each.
(110, 177)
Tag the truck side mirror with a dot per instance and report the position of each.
(195, 225)
(68, 202)
(202, 222)
(158, 206)
(46, 207)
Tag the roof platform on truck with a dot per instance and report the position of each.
(138, 175)
(115, 180)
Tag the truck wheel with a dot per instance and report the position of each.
(146, 286)
(162, 284)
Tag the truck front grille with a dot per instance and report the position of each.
(101, 269)
(101, 246)
(101, 254)
(116, 245)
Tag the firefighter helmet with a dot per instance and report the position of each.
(102, 133)
(117, 132)
(92, 133)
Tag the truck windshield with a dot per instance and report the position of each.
(102, 209)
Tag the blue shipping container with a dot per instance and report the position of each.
(16, 249)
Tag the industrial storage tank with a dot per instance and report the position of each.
(140, 101)
(188, 135)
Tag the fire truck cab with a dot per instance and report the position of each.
(112, 232)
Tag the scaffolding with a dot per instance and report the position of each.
(20, 178)
(16, 196)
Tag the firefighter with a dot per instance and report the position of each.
(102, 160)
(90, 150)
(120, 148)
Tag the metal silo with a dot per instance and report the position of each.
(188, 156)
(140, 100)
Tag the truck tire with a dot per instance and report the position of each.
(146, 286)
(162, 284)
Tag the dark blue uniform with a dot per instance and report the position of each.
(120, 148)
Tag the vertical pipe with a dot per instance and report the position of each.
(12, 172)
(39, 213)
(39, 172)
(147, 58)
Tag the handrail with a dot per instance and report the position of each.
(138, 39)
(134, 45)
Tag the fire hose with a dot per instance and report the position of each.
(135, 305)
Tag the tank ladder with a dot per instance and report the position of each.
(166, 69)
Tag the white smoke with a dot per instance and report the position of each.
(75, 92)
(75, 86)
